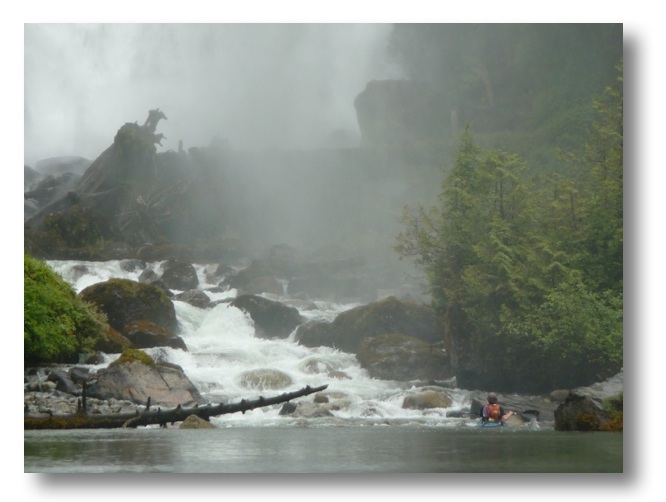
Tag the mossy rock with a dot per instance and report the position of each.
(124, 301)
(113, 342)
(389, 315)
(133, 355)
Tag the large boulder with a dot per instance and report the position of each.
(389, 315)
(396, 356)
(135, 377)
(179, 275)
(124, 301)
(593, 408)
(271, 319)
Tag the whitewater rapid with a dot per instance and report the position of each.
(222, 346)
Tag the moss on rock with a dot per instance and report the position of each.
(124, 301)
(134, 355)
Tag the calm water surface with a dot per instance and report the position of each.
(365, 449)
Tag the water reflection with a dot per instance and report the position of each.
(321, 449)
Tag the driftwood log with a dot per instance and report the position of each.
(82, 420)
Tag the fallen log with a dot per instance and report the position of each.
(82, 420)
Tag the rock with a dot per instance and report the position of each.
(179, 275)
(194, 297)
(148, 276)
(131, 265)
(79, 375)
(146, 335)
(388, 315)
(427, 399)
(593, 408)
(124, 301)
(63, 382)
(287, 408)
(400, 357)
(136, 381)
(195, 422)
(113, 342)
(271, 319)
(559, 395)
(261, 379)
(257, 278)
(305, 410)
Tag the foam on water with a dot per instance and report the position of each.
(222, 348)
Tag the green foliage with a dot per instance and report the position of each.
(56, 324)
(527, 272)
(574, 337)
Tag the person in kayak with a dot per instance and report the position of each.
(493, 411)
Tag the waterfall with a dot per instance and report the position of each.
(222, 348)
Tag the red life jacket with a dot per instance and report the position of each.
(493, 411)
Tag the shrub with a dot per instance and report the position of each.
(57, 325)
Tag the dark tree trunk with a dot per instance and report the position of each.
(82, 420)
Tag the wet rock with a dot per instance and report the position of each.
(136, 381)
(179, 275)
(124, 301)
(427, 399)
(593, 408)
(255, 279)
(265, 379)
(388, 315)
(146, 335)
(194, 297)
(400, 357)
(305, 410)
(271, 319)
(194, 422)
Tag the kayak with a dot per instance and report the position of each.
(490, 424)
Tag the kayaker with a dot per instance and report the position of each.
(493, 411)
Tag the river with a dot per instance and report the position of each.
(364, 449)
(372, 433)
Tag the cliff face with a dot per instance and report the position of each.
(403, 112)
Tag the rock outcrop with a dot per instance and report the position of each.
(393, 112)
(593, 408)
(137, 377)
